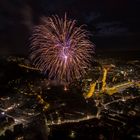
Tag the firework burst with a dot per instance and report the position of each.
(61, 49)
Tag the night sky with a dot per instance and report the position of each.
(114, 24)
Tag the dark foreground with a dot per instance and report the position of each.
(34, 108)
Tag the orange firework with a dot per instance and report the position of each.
(61, 49)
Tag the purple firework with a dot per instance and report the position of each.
(61, 49)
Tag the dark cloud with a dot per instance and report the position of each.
(15, 25)
(111, 29)
(103, 18)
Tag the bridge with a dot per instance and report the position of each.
(109, 90)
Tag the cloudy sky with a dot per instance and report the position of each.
(114, 24)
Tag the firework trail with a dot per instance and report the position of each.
(61, 49)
